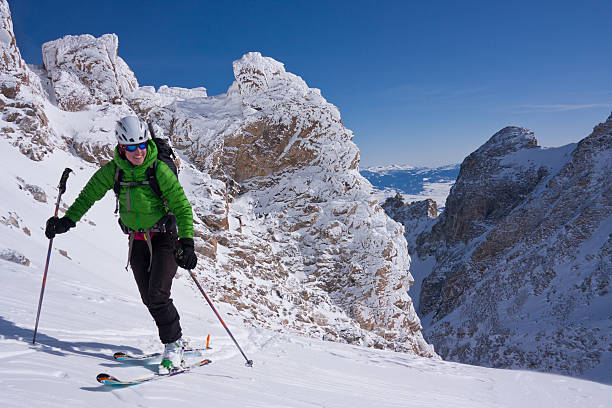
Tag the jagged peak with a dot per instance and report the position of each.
(257, 74)
(257, 61)
(10, 60)
(6, 23)
(108, 42)
(5, 16)
(508, 140)
(87, 70)
(605, 127)
(486, 159)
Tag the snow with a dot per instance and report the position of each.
(5, 37)
(420, 269)
(92, 308)
(553, 158)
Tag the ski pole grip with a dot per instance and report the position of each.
(62, 183)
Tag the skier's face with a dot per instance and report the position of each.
(137, 156)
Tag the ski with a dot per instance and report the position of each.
(107, 379)
(122, 356)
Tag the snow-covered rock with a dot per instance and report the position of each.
(516, 272)
(87, 71)
(416, 217)
(24, 120)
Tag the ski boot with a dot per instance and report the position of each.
(172, 359)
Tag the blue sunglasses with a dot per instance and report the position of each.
(132, 148)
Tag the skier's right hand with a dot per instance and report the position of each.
(58, 226)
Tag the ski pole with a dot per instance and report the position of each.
(62, 188)
(249, 363)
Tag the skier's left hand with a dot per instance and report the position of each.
(185, 256)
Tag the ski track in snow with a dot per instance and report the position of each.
(91, 309)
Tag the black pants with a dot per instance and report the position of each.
(155, 285)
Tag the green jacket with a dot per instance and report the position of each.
(145, 207)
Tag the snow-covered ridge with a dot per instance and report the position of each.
(516, 271)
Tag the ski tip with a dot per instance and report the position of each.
(105, 378)
(120, 356)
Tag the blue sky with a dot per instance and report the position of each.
(421, 83)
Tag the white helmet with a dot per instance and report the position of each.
(131, 130)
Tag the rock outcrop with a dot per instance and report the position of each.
(87, 71)
(416, 217)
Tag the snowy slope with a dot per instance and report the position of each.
(91, 309)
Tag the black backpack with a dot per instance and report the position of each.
(165, 154)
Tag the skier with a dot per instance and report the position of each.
(151, 222)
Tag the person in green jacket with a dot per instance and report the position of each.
(160, 228)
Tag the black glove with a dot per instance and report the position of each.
(58, 226)
(186, 258)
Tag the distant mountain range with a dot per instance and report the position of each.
(413, 183)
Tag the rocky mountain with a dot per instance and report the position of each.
(516, 271)
(289, 234)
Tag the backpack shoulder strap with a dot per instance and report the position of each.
(152, 179)
(151, 175)
(117, 186)
(118, 180)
